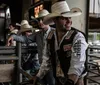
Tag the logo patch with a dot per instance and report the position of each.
(67, 47)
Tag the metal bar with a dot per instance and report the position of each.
(93, 64)
(8, 58)
(19, 62)
(94, 55)
(94, 72)
(93, 80)
(12, 50)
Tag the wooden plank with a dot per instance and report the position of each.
(9, 58)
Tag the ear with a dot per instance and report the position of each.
(54, 20)
(71, 22)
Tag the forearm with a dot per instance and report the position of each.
(78, 58)
(73, 77)
(19, 38)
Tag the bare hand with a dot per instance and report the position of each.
(9, 41)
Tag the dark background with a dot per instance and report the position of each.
(15, 9)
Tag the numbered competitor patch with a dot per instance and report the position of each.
(77, 48)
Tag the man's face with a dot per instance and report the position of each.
(27, 33)
(64, 23)
(42, 25)
(11, 28)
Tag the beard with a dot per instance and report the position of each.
(63, 28)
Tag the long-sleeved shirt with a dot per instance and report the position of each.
(77, 62)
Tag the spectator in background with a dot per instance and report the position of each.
(30, 61)
(13, 30)
(48, 78)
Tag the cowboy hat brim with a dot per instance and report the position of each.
(25, 29)
(49, 18)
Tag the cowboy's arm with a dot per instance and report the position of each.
(18, 38)
(32, 37)
(78, 57)
(46, 63)
(22, 39)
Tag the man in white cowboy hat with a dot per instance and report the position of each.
(48, 78)
(65, 46)
(30, 61)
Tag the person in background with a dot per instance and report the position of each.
(30, 61)
(40, 38)
(65, 47)
(13, 30)
(48, 78)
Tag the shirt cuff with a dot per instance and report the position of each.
(78, 72)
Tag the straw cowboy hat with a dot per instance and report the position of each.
(24, 22)
(26, 27)
(61, 8)
(43, 13)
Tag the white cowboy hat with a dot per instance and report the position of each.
(25, 27)
(43, 13)
(24, 22)
(61, 8)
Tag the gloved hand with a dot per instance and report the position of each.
(69, 82)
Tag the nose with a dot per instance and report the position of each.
(68, 19)
(40, 23)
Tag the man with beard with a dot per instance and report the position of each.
(65, 47)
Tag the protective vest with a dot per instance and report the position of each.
(64, 53)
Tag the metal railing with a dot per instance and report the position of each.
(8, 53)
(93, 65)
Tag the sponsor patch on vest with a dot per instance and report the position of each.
(67, 47)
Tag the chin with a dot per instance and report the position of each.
(68, 27)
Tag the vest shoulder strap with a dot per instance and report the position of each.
(81, 32)
(50, 34)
